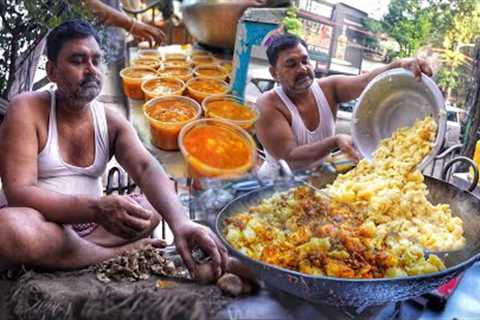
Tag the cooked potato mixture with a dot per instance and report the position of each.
(382, 232)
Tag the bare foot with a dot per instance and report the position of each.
(155, 242)
(139, 244)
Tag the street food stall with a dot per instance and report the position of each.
(166, 95)
(382, 241)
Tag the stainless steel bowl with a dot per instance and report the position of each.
(214, 22)
(392, 100)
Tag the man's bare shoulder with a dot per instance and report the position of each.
(28, 106)
(271, 106)
(268, 102)
(116, 123)
(266, 98)
(114, 118)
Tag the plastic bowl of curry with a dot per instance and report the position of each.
(200, 88)
(203, 59)
(167, 115)
(132, 78)
(228, 65)
(216, 148)
(147, 61)
(183, 73)
(230, 108)
(175, 56)
(149, 53)
(200, 53)
(162, 86)
(211, 71)
(177, 63)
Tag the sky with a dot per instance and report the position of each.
(375, 8)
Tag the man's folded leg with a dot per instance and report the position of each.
(104, 238)
(27, 238)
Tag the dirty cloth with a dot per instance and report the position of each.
(79, 295)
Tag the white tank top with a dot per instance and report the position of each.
(325, 129)
(56, 175)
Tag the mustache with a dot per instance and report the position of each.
(89, 80)
(303, 76)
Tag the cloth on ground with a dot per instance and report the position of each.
(79, 295)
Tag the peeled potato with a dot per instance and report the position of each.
(236, 267)
(231, 284)
(205, 273)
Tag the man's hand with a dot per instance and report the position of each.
(345, 143)
(124, 217)
(416, 65)
(192, 235)
(147, 32)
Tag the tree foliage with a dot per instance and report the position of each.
(24, 23)
(443, 24)
(409, 23)
(465, 24)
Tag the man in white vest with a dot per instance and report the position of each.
(54, 148)
(297, 118)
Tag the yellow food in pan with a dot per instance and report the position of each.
(383, 231)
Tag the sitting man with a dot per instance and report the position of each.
(54, 148)
(297, 118)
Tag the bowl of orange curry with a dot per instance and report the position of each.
(216, 148)
(177, 63)
(200, 88)
(227, 64)
(175, 56)
(211, 71)
(167, 115)
(230, 108)
(181, 72)
(132, 78)
(149, 53)
(162, 86)
(198, 53)
(203, 59)
(146, 61)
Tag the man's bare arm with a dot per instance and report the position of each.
(145, 171)
(108, 15)
(345, 88)
(158, 188)
(18, 164)
(113, 17)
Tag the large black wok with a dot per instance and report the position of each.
(360, 293)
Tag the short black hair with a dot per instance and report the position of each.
(280, 43)
(68, 30)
